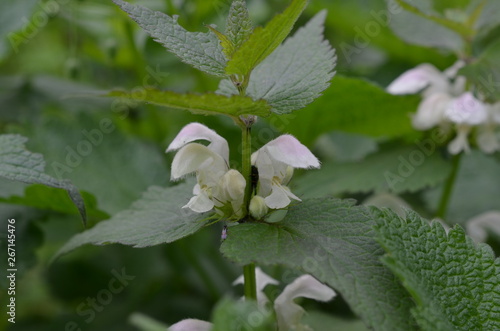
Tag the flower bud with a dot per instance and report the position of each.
(258, 207)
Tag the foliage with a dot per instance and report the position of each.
(315, 70)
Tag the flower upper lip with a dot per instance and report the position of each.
(275, 162)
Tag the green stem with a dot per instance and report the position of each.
(448, 188)
(246, 167)
(250, 283)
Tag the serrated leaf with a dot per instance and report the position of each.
(396, 170)
(296, 73)
(484, 72)
(454, 282)
(333, 241)
(201, 50)
(19, 164)
(264, 40)
(351, 105)
(203, 104)
(156, 218)
(238, 24)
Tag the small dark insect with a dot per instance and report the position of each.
(223, 235)
(254, 178)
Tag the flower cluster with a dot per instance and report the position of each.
(446, 101)
(288, 313)
(223, 189)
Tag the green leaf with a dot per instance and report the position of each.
(201, 50)
(48, 198)
(238, 25)
(454, 282)
(231, 315)
(414, 26)
(484, 72)
(263, 41)
(396, 170)
(296, 73)
(333, 241)
(203, 104)
(19, 164)
(351, 105)
(156, 218)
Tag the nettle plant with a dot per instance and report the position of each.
(396, 271)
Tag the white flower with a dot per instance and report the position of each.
(217, 185)
(430, 111)
(446, 101)
(288, 313)
(275, 162)
(465, 111)
(191, 325)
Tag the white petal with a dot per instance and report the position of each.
(288, 312)
(430, 111)
(287, 149)
(466, 109)
(192, 157)
(487, 139)
(280, 197)
(231, 188)
(461, 142)
(234, 184)
(197, 131)
(191, 325)
(261, 281)
(200, 203)
(418, 78)
(478, 226)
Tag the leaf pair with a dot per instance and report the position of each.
(286, 77)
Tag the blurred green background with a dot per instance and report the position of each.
(53, 56)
